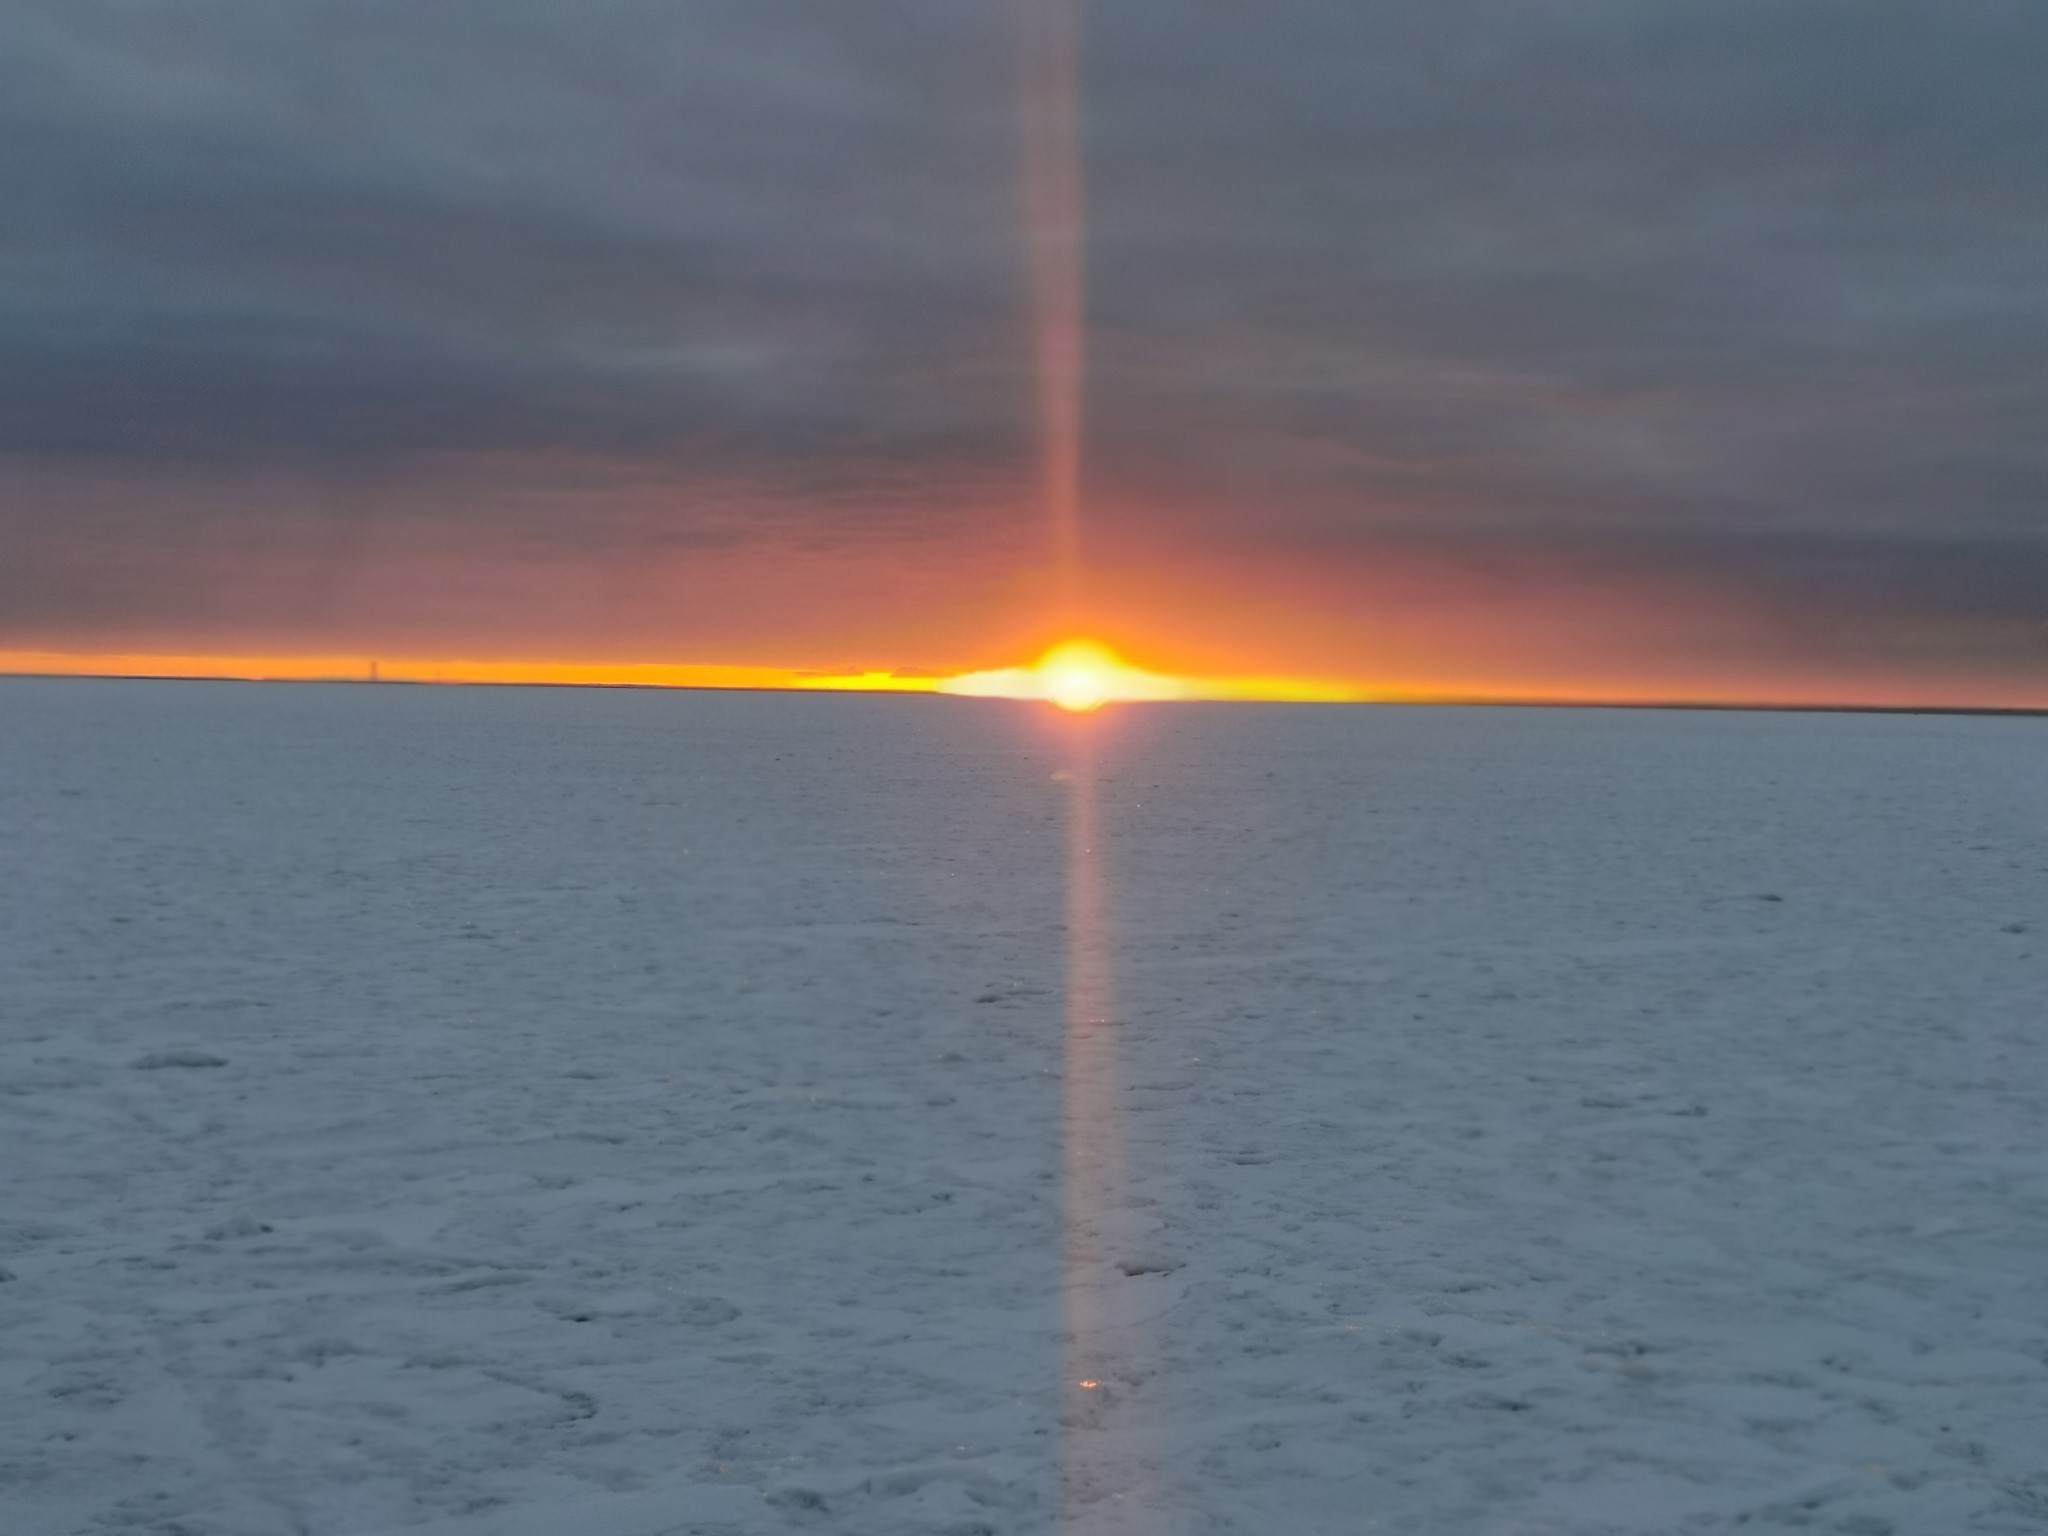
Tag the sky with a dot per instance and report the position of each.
(1688, 349)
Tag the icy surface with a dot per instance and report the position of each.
(525, 1113)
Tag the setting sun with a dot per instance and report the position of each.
(1076, 675)
(1083, 675)
(1079, 675)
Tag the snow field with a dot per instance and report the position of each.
(491, 1112)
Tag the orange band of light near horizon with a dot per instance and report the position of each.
(1123, 684)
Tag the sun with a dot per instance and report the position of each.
(1079, 675)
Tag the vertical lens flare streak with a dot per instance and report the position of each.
(1106, 1463)
(1099, 1462)
(1055, 215)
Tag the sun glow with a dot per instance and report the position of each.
(1083, 675)
(1076, 675)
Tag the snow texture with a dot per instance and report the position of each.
(548, 1113)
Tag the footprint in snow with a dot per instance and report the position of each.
(1149, 1264)
(157, 1061)
(243, 1225)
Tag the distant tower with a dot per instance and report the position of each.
(373, 673)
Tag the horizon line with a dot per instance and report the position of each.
(898, 685)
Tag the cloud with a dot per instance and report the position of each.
(1734, 288)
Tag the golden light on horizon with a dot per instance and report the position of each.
(1078, 675)
(1081, 675)
(417, 669)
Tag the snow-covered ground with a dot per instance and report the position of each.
(529, 1113)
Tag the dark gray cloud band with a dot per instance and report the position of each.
(1749, 288)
